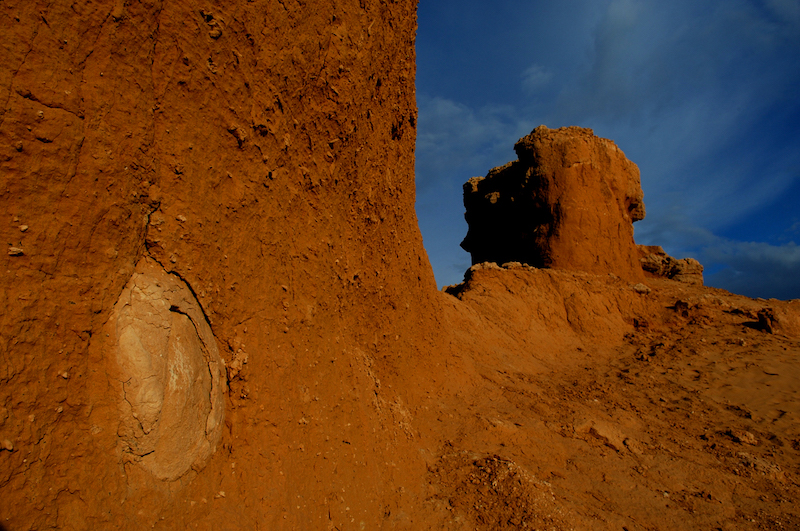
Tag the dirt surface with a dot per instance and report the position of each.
(666, 406)
(258, 156)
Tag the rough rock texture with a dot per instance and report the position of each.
(261, 151)
(657, 263)
(568, 201)
(625, 408)
(777, 320)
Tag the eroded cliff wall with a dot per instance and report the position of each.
(259, 155)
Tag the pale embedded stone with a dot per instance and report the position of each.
(172, 402)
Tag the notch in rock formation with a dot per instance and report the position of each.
(172, 404)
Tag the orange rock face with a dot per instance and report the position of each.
(569, 201)
(260, 154)
(657, 263)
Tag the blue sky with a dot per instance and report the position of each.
(703, 95)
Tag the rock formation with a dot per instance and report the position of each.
(262, 154)
(568, 201)
(657, 263)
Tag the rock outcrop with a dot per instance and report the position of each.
(568, 201)
(781, 320)
(657, 263)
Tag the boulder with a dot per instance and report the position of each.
(172, 401)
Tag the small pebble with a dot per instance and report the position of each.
(641, 288)
(23, 228)
(15, 251)
(8, 445)
(744, 437)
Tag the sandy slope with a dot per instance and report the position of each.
(591, 405)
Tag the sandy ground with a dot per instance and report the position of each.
(669, 408)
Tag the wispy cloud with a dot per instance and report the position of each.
(697, 94)
(534, 78)
(788, 10)
(455, 139)
(756, 269)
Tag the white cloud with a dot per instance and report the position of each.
(535, 77)
(786, 257)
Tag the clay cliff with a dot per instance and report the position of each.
(218, 312)
(204, 202)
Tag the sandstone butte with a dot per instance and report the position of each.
(218, 312)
